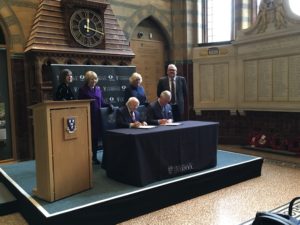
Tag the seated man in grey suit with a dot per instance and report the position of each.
(128, 116)
(160, 111)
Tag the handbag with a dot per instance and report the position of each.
(269, 218)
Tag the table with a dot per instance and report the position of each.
(142, 156)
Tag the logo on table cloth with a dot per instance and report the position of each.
(172, 170)
(71, 125)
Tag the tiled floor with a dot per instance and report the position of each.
(13, 219)
(233, 205)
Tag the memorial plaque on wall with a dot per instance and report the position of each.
(280, 79)
(250, 80)
(221, 82)
(264, 80)
(112, 79)
(294, 78)
(206, 83)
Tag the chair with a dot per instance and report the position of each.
(108, 119)
(266, 218)
(142, 109)
(269, 218)
(108, 122)
(291, 205)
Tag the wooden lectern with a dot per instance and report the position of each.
(62, 142)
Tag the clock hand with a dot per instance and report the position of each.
(88, 25)
(89, 28)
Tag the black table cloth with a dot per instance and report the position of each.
(142, 156)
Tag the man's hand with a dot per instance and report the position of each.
(162, 121)
(135, 124)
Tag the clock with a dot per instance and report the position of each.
(87, 28)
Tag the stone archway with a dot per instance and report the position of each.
(12, 28)
(144, 13)
(151, 54)
(14, 43)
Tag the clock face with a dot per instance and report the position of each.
(87, 28)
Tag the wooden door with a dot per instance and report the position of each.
(71, 169)
(149, 62)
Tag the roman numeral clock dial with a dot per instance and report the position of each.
(87, 28)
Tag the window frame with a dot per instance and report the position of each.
(204, 28)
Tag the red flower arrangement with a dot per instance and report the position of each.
(253, 139)
(263, 140)
(258, 139)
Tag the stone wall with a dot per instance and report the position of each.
(252, 84)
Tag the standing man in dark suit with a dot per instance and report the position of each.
(177, 86)
(128, 116)
(160, 111)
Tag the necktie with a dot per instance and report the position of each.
(132, 116)
(172, 91)
(165, 113)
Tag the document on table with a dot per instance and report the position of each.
(172, 124)
(146, 127)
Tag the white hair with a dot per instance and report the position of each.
(166, 94)
(132, 99)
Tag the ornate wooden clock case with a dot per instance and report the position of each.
(85, 23)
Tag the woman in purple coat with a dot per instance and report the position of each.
(91, 91)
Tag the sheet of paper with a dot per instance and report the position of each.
(172, 124)
(146, 127)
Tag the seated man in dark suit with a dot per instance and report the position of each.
(160, 111)
(128, 116)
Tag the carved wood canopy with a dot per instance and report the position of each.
(50, 34)
(50, 42)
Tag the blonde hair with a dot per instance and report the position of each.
(89, 75)
(134, 77)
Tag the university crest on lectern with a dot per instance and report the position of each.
(71, 125)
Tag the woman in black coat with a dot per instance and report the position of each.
(64, 91)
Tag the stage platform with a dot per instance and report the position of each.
(111, 202)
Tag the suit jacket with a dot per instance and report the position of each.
(181, 90)
(124, 118)
(156, 112)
